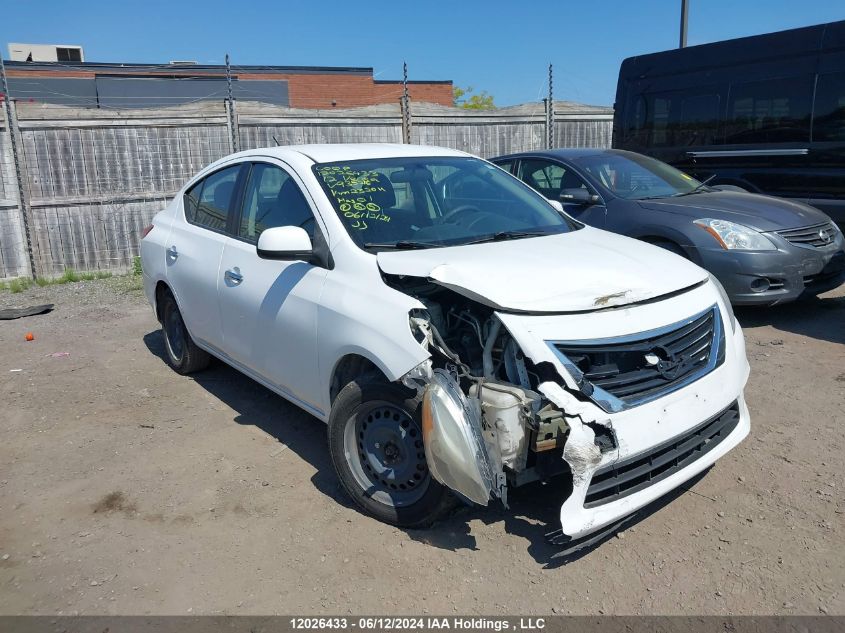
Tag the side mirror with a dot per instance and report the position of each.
(285, 242)
(578, 196)
(557, 205)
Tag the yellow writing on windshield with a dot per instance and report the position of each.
(354, 190)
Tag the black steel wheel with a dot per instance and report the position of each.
(376, 444)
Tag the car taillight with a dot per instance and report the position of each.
(146, 230)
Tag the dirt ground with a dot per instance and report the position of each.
(127, 489)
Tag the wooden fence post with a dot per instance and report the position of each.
(23, 198)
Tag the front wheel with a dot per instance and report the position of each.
(376, 445)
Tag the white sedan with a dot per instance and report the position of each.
(456, 330)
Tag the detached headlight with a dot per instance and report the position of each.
(732, 236)
(729, 315)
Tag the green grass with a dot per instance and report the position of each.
(19, 285)
(69, 276)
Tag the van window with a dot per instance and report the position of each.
(699, 120)
(773, 110)
(829, 115)
(688, 118)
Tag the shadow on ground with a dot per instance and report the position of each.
(822, 318)
(533, 508)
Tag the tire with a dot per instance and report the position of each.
(375, 442)
(180, 351)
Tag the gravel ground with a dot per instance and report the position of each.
(127, 489)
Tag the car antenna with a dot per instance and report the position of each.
(275, 140)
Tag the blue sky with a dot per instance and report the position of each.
(501, 47)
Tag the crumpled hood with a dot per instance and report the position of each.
(588, 269)
(763, 213)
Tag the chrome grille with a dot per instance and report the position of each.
(816, 235)
(624, 372)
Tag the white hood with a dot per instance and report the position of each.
(588, 269)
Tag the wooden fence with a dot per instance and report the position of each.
(92, 178)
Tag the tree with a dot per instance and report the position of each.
(463, 98)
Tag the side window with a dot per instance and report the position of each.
(774, 110)
(549, 178)
(507, 165)
(636, 125)
(191, 201)
(273, 199)
(215, 200)
(829, 114)
(685, 117)
(699, 120)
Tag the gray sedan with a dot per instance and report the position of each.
(764, 250)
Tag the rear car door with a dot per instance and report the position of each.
(194, 248)
(549, 177)
(269, 307)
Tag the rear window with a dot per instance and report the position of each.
(209, 202)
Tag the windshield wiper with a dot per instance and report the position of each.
(696, 189)
(502, 236)
(401, 245)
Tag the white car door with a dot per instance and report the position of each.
(193, 251)
(269, 307)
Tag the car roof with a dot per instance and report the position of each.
(327, 153)
(565, 152)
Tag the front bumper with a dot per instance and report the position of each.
(577, 520)
(779, 276)
(639, 429)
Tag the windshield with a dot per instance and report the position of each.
(636, 177)
(419, 202)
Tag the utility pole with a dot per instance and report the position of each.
(684, 21)
(406, 106)
(550, 121)
(230, 106)
(11, 121)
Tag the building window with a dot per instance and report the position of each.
(69, 54)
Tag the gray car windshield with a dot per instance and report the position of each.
(636, 177)
(420, 202)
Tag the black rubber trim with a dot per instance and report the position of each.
(629, 476)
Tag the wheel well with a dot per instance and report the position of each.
(651, 239)
(675, 246)
(348, 369)
(161, 289)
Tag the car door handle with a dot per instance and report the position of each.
(234, 276)
(172, 253)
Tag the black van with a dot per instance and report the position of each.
(764, 113)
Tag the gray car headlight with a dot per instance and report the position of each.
(732, 236)
(727, 301)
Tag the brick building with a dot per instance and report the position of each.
(89, 84)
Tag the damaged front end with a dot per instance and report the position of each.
(506, 402)
(493, 418)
